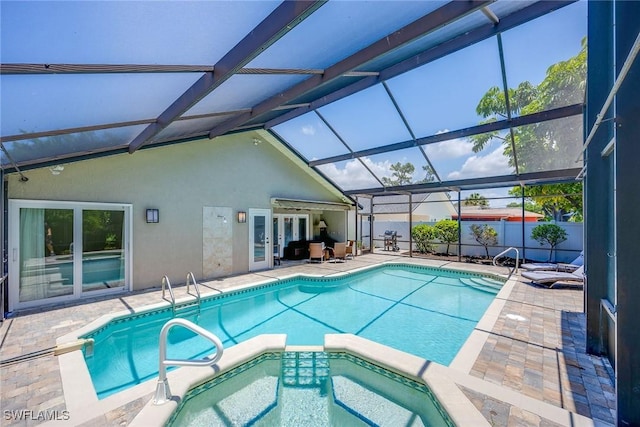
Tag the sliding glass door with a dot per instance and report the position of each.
(64, 250)
(289, 227)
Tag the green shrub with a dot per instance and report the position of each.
(423, 235)
(486, 235)
(550, 234)
(447, 231)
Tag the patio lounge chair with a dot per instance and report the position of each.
(548, 266)
(316, 252)
(552, 278)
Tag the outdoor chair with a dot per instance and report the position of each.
(316, 252)
(548, 266)
(339, 251)
(553, 278)
(350, 250)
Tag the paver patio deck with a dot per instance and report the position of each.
(535, 349)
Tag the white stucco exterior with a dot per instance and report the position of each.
(192, 185)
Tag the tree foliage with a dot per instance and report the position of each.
(423, 235)
(401, 174)
(484, 234)
(554, 201)
(528, 206)
(476, 199)
(545, 145)
(447, 231)
(550, 234)
(101, 229)
(429, 175)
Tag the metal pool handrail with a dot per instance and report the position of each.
(163, 394)
(165, 281)
(192, 279)
(515, 269)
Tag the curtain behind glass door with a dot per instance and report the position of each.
(46, 253)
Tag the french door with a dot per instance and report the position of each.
(260, 255)
(288, 228)
(67, 250)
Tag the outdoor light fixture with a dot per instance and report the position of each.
(256, 141)
(242, 217)
(153, 216)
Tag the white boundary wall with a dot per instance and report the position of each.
(509, 234)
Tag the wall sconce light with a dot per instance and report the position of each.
(224, 218)
(242, 217)
(153, 216)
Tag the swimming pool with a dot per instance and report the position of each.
(428, 312)
(310, 388)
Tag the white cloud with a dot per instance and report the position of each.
(308, 130)
(354, 175)
(493, 164)
(451, 149)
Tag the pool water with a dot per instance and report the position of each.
(310, 389)
(423, 311)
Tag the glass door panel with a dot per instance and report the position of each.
(302, 228)
(103, 260)
(46, 258)
(277, 238)
(288, 230)
(259, 239)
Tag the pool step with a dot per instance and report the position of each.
(298, 406)
(187, 309)
(247, 406)
(481, 285)
(305, 369)
(497, 283)
(370, 407)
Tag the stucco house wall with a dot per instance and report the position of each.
(226, 174)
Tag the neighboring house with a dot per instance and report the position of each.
(476, 213)
(124, 221)
(426, 207)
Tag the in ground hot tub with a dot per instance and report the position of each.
(348, 381)
(310, 388)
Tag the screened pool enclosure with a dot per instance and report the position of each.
(392, 103)
(351, 87)
(379, 98)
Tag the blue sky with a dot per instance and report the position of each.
(436, 98)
